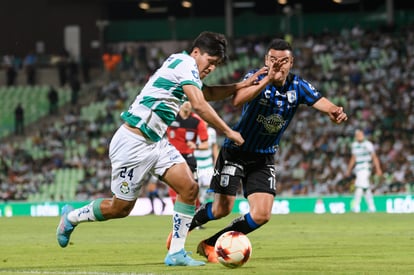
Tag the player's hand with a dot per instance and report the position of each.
(275, 71)
(338, 115)
(191, 145)
(235, 137)
(254, 78)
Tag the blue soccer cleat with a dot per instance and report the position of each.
(65, 227)
(181, 258)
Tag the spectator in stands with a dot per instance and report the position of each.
(75, 87)
(86, 69)
(11, 71)
(19, 119)
(62, 67)
(53, 98)
(29, 65)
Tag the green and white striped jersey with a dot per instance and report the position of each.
(205, 157)
(158, 103)
(363, 155)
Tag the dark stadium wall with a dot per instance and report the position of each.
(24, 22)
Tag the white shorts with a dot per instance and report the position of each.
(205, 176)
(362, 179)
(132, 157)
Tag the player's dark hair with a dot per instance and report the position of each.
(214, 44)
(279, 45)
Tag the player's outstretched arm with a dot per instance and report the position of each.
(206, 112)
(335, 113)
(218, 92)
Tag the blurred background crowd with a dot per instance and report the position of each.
(63, 155)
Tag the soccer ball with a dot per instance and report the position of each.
(233, 249)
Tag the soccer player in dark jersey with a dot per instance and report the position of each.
(183, 133)
(268, 108)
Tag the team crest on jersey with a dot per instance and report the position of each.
(195, 74)
(224, 180)
(124, 188)
(272, 123)
(279, 103)
(291, 96)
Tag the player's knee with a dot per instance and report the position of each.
(190, 193)
(261, 217)
(221, 210)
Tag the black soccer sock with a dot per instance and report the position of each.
(243, 224)
(203, 215)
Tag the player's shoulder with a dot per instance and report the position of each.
(178, 58)
(303, 85)
(196, 116)
(367, 142)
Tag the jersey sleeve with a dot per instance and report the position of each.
(307, 93)
(187, 72)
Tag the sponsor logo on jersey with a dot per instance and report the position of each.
(272, 123)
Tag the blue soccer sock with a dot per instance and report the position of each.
(244, 224)
(203, 215)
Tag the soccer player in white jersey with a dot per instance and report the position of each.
(363, 156)
(139, 145)
(205, 162)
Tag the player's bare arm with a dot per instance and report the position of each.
(218, 92)
(335, 113)
(375, 159)
(206, 112)
(249, 93)
(350, 166)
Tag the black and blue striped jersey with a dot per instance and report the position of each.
(264, 119)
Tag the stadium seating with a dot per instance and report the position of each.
(62, 189)
(33, 99)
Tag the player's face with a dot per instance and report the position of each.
(274, 55)
(359, 135)
(205, 63)
(185, 109)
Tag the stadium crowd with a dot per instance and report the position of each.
(370, 72)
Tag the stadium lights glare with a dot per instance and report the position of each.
(186, 4)
(244, 4)
(345, 1)
(144, 5)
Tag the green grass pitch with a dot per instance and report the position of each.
(289, 244)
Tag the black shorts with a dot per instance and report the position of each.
(192, 163)
(256, 173)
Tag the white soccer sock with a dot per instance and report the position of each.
(182, 216)
(88, 213)
(370, 200)
(357, 199)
